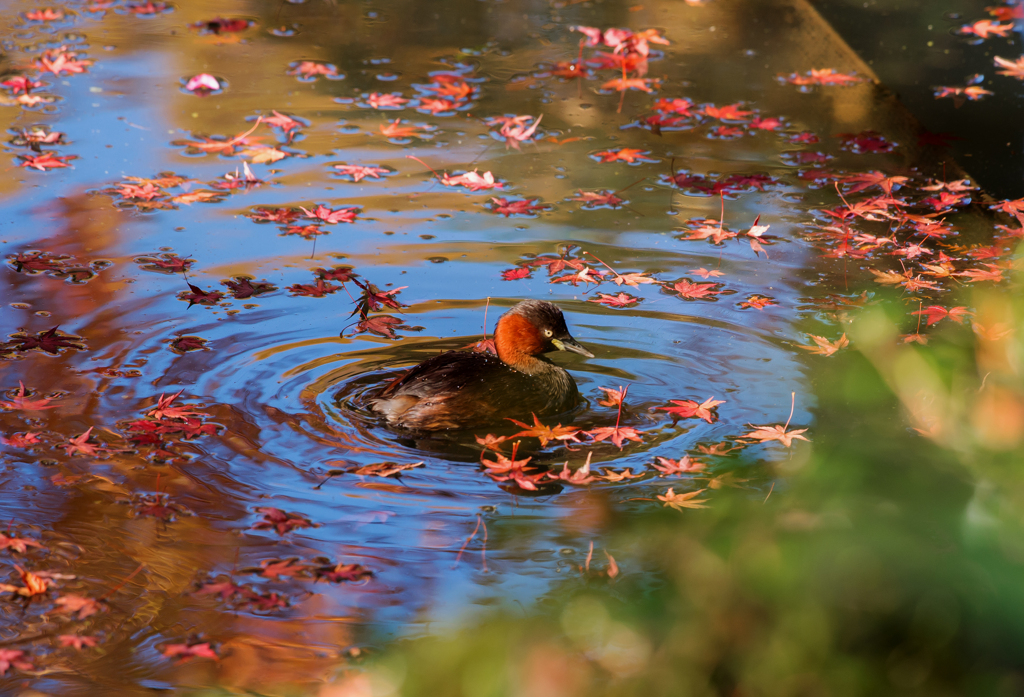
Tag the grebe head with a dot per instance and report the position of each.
(531, 328)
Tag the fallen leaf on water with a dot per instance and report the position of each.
(681, 501)
(824, 347)
(683, 465)
(546, 433)
(687, 408)
(777, 432)
(281, 521)
(186, 652)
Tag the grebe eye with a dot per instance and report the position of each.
(548, 333)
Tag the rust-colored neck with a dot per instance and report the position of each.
(518, 343)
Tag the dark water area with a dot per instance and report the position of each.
(147, 251)
(916, 48)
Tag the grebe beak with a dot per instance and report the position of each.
(570, 344)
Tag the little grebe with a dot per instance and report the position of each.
(461, 389)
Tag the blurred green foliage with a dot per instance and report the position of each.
(885, 559)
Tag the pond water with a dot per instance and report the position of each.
(166, 527)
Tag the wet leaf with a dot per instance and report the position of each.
(824, 347)
(765, 434)
(681, 501)
(186, 652)
(546, 433)
(687, 409)
(20, 403)
(282, 522)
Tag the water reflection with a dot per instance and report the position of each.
(265, 372)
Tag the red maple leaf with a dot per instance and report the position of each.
(148, 8)
(46, 161)
(946, 199)
(473, 181)
(61, 60)
(732, 112)
(865, 142)
(985, 28)
(373, 298)
(726, 132)
(687, 409)
(824, 347)
(242, 287)
(274, 215)
(13, 657)
(341, 215)
(165, 408)
(146, 192)
(165, 263)
(630, 155)
(193, 428)
(342, 274)
(77, 642)
(21, 440)
(376, 100)
(598, 199)
(225, 589)
(317, 290)
(1012, 68)
(284, 122)
(515, 129)
(186, 652)
(935, 313)
(545, 433)
(18, 544)
(47, 14)
(505, 469)
(994, 274)
(515, 274)
(38, 262)
(49, 341)
(395, 130)
(81, 444)
(644, 84)
(617, 434)
(428, 105)
(339, 573)
(869, 179)
(282, 522)
(525, 207)
(683, 465)
(275, 568)
(827, 76)
(220, 25)
(765, 124)
(961, 94)
(695, 291)
(383, 325)
(198, 296)
(758, 302)
(578, 477)
(612, 397)
(19, 401)
(21, 83)
(803, 138)
(620, 300)
(308, 71)
(305, 231)
(777, 432)
(184, 344)
(79, 604)
(360, 172)
(678, 105)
